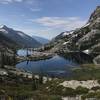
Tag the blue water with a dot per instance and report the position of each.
(23, 52)
(57, 66)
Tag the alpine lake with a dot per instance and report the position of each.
(57, 66)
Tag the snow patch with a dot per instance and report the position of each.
(86, 51)
(67, 33)
(86, 25)
(1, 26)
(65, 43)
(4, 31)
(74, 35)
(21, 34)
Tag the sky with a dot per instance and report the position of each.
(46, 18)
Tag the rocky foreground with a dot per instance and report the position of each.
(25, 85)
(17, 84)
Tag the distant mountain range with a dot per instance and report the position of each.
(41, 40)
(11, 37)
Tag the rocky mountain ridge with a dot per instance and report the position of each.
(17, 37)
(86, 38)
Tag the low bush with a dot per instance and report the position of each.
(68, 91)
(81, 90)
(96, 88)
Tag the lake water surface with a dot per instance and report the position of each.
(57, 66)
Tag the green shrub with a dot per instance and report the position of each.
(68, 91)
(55, 97)
(99, 81)
(81, 90)
(57, 90)
(89, 95)
(96, 88)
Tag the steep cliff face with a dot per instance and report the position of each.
(91, 38)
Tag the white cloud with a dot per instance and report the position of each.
(5, 1)
(68, 23)
(45, 32)
(9, 1)
(18, 1)
(35, 9)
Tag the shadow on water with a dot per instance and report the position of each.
(58, 66)
(78, 57)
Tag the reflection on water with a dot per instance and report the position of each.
(56, 66)
(78, 57)
(24, 52)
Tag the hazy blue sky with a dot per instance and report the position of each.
(46, 18)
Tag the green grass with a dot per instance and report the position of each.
(92, 95)
(22, 90)
(86, 72)
(19, 89)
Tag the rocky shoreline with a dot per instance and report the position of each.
(35, 57)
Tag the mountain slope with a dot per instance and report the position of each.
(41, 39)
(6, 42)
(86, 37)
(20, 38)
(91, 38)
